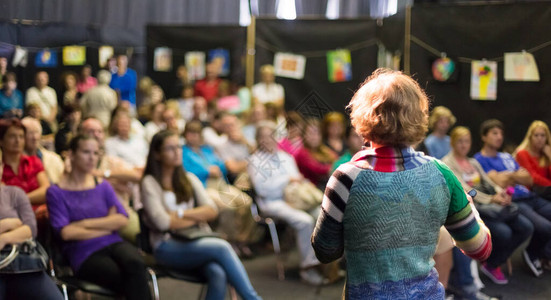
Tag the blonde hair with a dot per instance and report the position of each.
(527, 142)
(390, 108)
(267, 69)
(438, 113)
(328, 119)
(458, 132)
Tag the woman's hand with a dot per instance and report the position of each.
(215, 172)
(547, 151)
(502, 198)
(9, 224)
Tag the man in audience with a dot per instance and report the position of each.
(130, 147)
(236, 150)
(268, 90)
(45, 97)
(124, 81)
(53, 164)
(505, 171)
(123, 177)
(100, 100)
(214, 135)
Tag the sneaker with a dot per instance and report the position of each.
(312, 276)
(481, 296)
(533, 264)
(494, 274)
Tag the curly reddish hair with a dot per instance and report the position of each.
(390, 109)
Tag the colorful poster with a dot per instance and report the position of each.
(221, 57)
(444, 69)
(162, 59)
(483, 80)
(104, 54)
(289, 65)
(339, 67)
(195, 64)
(74, 55)
(520, 66)
(20, 57)
(46, 59)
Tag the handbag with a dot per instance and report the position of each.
(496, 212)
(193, 233)
(28, 257)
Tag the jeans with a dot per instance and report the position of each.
(506, 237)
(30, 286)
(461, 278)
(215, 258)
(538, 211)
(118, 267)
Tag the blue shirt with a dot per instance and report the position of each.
(199, 163)
(15, 101)
(125, 85)
(437, 147)
(503, 162)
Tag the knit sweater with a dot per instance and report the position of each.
(384, 210)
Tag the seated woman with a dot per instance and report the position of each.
(314, 159)
(534, 154)
(175, 199)
(86, 215)
(17, 224)
(507, 235)
(26, 172)
(333, 132)
(292, 141)
(234, 218)
(384, 209)
(271, 171)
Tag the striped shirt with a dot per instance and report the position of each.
(383, 210)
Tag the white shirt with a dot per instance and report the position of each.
(169, 198)
(212, 138)
(133, 151)
(45, 98)
(151, 128)
(270, 173)
(268, 93)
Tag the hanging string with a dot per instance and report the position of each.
(318, 53)
(438, 53)
(89, 44)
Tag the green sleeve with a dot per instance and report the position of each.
(457, 194)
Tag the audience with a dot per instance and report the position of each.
(85, 214)
(99, 101)
(131, 148)
(124, 82)
(208, 86)
(333, 132)
(174, 199)
(18, 224)
(45, 97)
(271, 171)
(502, 169)
(155, 123)
(534, 155)
(437, 143)
(85, 79)
(354, 143)
(68, 128)
(11, 99)
(69, 92)
(267, 90)
(257, 115)
(292, 141)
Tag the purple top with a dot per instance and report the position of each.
(67, 206)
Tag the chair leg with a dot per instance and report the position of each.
(154, 284)
(233, 293)
(203, 291)
(509, 267)
(277, 248)
(65, 292)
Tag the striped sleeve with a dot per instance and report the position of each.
(327, 238)
(467, 229)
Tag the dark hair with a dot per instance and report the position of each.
(193, 126)
(349, 131)
(75, 141)
(489, 125)
(5, 124)
(294, 119)
(180, 183)
(10, 76)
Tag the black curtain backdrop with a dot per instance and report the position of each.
(183, 39)
(485, 31)
(313, 38)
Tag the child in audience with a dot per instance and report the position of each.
(438, 143)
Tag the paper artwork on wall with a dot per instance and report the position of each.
(289, 65)
(104, 54)
(195, 64)
(74, 55)
(162, 59)
(444, 69)
(46, 59)
(20, 57)
(221, 57)
(520, 66)
(339, 65)
(483, 80)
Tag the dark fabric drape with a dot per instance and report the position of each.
(312, 38)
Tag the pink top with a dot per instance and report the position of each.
(83, 86)
(291, 147)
